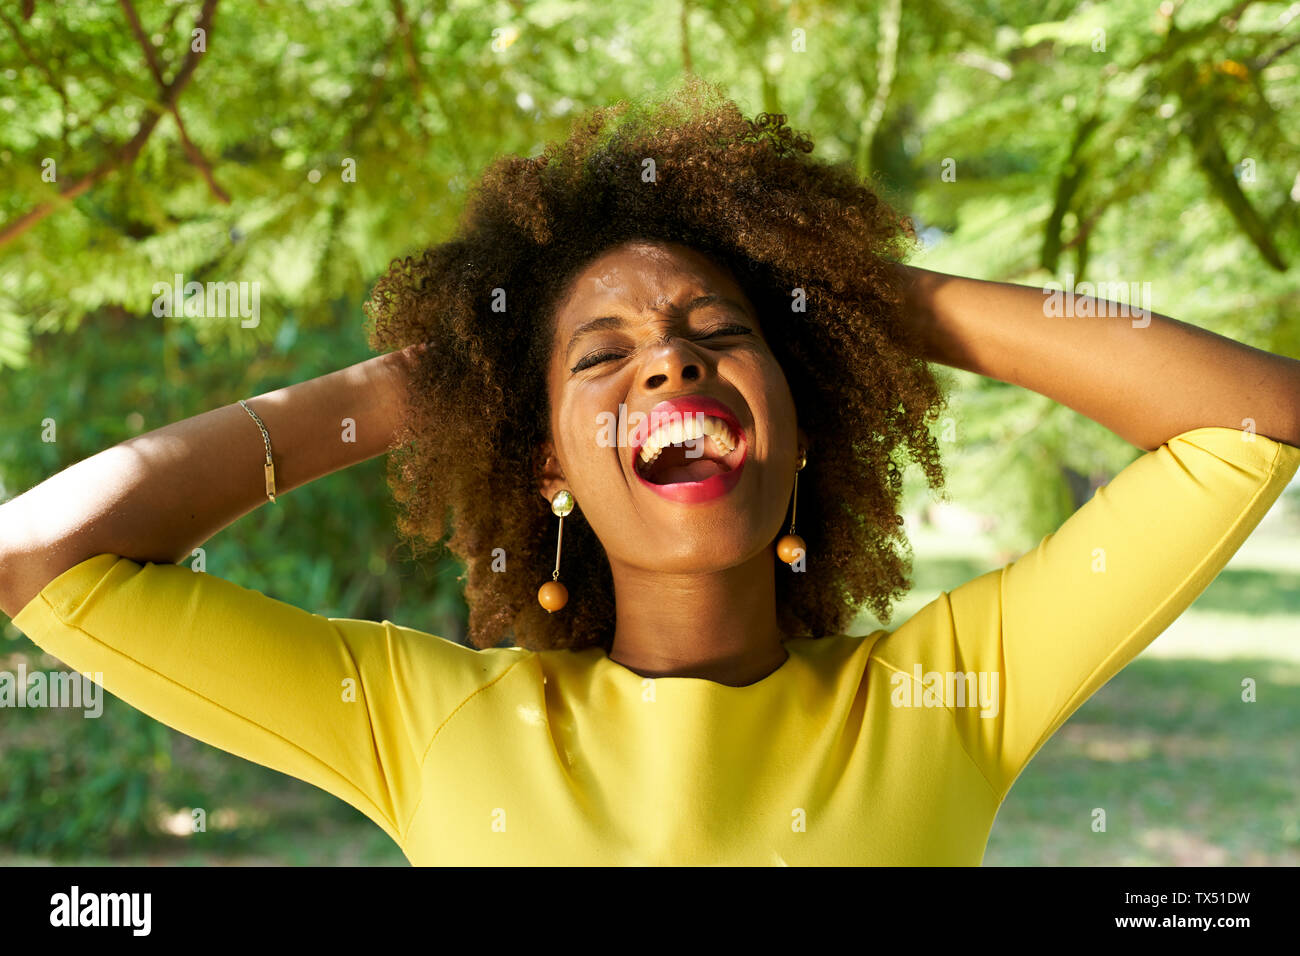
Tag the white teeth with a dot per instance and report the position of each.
(689, 429)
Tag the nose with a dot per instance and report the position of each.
(673, 364)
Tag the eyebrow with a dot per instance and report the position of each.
(614, 322)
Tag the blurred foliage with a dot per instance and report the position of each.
(91, 790)
(1125, 141)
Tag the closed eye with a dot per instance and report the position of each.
(596, 358)
(731, 329)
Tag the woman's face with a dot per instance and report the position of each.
(672, 326)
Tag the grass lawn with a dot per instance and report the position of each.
(1187, 773)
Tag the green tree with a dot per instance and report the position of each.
(302, 146)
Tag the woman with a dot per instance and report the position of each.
(663, 318)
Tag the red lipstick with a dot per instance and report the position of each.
(692, 492)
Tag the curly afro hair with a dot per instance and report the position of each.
(688, 168)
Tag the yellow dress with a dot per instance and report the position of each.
(889, 748)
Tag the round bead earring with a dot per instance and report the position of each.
(553, 595)
(791, 547)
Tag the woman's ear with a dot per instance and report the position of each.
(803, 439)
(549, 475)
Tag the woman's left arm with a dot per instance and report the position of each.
(1147, 381)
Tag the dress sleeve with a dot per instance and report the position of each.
(349, 706)
(1059, 622)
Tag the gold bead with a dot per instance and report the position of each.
(790, 548)
(552, 595)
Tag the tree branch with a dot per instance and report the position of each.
(891, 13)
(127, 154)
(686, 37)
(1068, 181)
(1207, 147)
(408, 46)
(155, 67)
(1265, 61)
(413, 67)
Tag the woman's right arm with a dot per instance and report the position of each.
(159, 495)
(350, 706)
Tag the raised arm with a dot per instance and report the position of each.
(1147, 382)
(157, 496)
(350, 706)
(1053, 626)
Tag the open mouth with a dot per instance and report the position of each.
(694, 449)
(690, 449)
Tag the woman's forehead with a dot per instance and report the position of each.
(643, 276)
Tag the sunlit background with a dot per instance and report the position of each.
(310, 142)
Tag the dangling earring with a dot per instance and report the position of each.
(553, 595)
(791, 547)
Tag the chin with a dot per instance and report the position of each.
(703, 551)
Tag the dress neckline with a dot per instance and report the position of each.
(796, 662)
(608, 662)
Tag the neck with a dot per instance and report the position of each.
(719, 626)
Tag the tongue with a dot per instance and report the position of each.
(694, 470)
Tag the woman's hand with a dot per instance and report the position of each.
(159, 495)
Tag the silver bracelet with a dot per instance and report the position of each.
(266, 439)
